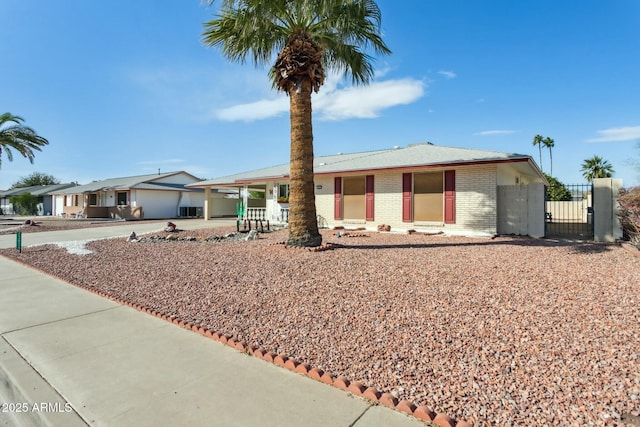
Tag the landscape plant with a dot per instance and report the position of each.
(306, 38)
(629, 214)
(596, 167)
(14, 135)
(25, 203)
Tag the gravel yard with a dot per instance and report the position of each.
(509, 331)
(10, 226)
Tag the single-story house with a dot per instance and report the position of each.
(44, 192)
(154, 196)
(418, 187)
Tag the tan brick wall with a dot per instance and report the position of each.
(476, 194)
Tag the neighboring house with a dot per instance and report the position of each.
(420, 187)
(44, 192)
(152, 196)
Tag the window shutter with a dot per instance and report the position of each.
(407, 197)
(450, 197)
(337, 198)
(369, 198)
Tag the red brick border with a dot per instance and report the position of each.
(370, 393)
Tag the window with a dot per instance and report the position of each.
(283, 193)
(354, 197)
(121, 198)
(427, 196)
(93, 199)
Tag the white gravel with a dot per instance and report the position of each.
(509, 331)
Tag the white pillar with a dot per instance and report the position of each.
(606, 225)
(207, 203)
(245, 198)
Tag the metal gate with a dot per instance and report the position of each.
(569, 211)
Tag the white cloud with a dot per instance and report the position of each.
(334, 103)
(629, 133)
(495, 132)
(447, 74)
(367, 101)
(258, 110)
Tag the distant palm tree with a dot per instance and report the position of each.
(14, 135)
(596, 167)
(308, 36)
(537, 140)
(549, 143)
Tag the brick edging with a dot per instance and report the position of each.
(356, 388)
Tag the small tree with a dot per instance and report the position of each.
(557, 191)
(36, 178)
(25, 203)
(629, 214)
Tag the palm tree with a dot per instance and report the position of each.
(309, 37)
(14, 135)
(596, 167)
(549, 143)
(537, 140)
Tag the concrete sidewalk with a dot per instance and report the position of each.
(71, 358)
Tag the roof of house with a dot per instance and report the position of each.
(130, 182)
(36, 190)
(414, 155)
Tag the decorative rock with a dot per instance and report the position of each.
(170, 227)
(384, 227)
(253, 235)
(171, 237)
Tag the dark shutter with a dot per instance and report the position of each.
(449, 197)
(337, 198)
(369, 198)
(407, 197)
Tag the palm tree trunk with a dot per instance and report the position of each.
(550, 162)
(303, 224)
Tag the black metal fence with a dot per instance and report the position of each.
(569, 211)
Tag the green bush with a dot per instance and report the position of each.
(25, 203)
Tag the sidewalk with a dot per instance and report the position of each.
(71, 358)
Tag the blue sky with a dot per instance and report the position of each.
(123, 88)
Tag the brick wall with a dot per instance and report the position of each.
(476, 206)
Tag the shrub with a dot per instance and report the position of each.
(26, 203)
(629, 214)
